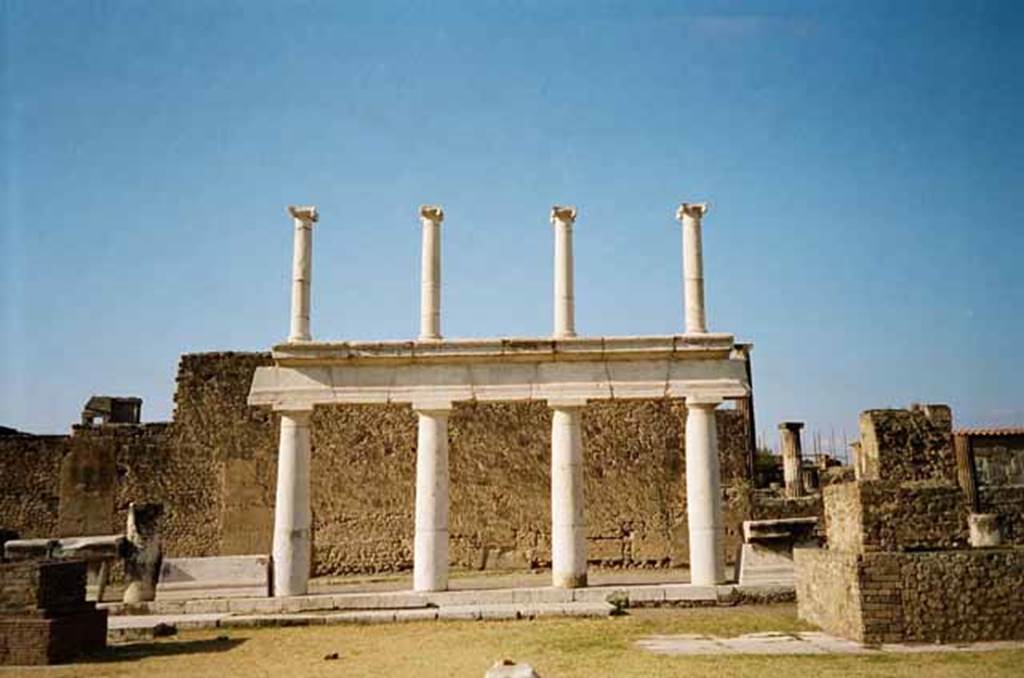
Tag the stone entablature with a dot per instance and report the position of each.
(506, 369)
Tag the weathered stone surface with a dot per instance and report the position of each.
(213, 469)
(939, 596)
(865, 516)
(908, 445)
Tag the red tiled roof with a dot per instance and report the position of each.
(992, 431)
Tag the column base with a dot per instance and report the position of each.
(569, 581)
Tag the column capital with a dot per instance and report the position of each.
(563, 213)
(294, 413)
(694, 210)
(435, 407)
(432, 213)
(565, 402)
(304, 213)
(704, 401)
(791, 425)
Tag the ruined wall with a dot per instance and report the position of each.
(828, 590)
(214, 470)
(908, 445)
(1008, 503)
(29, 483)
(938, 596)
(865, 516)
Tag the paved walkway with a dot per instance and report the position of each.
(811, 642)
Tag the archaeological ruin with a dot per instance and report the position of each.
(322, 458)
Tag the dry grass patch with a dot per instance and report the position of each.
(555, 647)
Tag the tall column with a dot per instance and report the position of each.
(302, 270)
(792, 458)
(430, 551)
(703, 494)
(563, 219)
(431, 217)
(292, 518)
(568, 526)
(693, 266)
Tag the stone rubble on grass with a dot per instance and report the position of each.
(506, 668)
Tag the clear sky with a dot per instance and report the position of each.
(864, 161)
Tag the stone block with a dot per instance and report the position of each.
(250, 574)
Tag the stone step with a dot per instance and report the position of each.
(637, 595)
(143, 627)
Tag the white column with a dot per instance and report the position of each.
(302, 270)
(431, 217)
(563, 219)
(568, 525)
(703, 494)
(430, 549)
(693, 266)
(292, 518)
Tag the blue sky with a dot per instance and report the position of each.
(864, 161)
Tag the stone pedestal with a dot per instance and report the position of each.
(144, 553)
(292, 516)
(704, 494)
(430, 553)
(568, 525)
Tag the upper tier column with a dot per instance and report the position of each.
(691, 215)
(563, 218)
(302, 270)
(792, 458)
(431, 217)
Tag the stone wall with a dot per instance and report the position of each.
(864, 516)
(29, 483)
(214, 470)
(1008, 503)
(908, 445)
(938, 596)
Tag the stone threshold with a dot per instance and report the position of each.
(805, 643)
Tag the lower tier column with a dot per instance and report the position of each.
(292, 518)
(430, 550)
(703, 494)
(568, 526)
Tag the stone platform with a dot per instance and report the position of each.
(129, 622)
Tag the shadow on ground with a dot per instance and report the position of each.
(166, 648)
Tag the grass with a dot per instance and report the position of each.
(555, 647)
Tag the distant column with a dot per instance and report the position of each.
(792, 458)
(431, 217)
(568, 522)
(302, 270)
(563, 219)
(704, 494)
(292, 517)
(430, 549)
(691, 214)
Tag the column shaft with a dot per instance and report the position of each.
(565, 322)
(430, 274)
(792, 458)
(568, 526)
(292, 518)
(693, 266)
(704, 496)
(302, 271)
(430, 553)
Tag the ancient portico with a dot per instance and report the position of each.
(564, 370)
